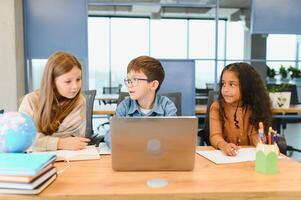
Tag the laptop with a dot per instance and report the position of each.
(153, 143)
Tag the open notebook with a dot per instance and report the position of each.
(88, 153)
(218, 157)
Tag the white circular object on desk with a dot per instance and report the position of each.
(157, 183)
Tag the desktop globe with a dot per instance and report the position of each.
(17, 132)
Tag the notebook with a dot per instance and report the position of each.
(37, 190)
(153, 143)
(23, 179)
(218, 157)
(21, 164)
(88, 153)
(29, 186)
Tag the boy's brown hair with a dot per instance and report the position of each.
(150, 66)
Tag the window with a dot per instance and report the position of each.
(235, 40)
(281, 47)
(168, 38)
(37, 67)
(99, 52)
(129, 39)
(202, 39)
(113, 42)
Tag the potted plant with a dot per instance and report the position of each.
(283, 73)
(295, 73)
(271, 73)
(279, 97)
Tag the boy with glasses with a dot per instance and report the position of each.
(144, 78)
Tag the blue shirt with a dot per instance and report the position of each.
(163, 106)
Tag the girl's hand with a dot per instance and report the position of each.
(72, 143)
(230, 149)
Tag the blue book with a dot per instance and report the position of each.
(21, 164)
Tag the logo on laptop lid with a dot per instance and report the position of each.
(154, 146)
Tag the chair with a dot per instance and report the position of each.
(175, 97)
(122, 96)
(205, 132)
(111, 90)
(1, 111)
(201, 95)
(90, 97)
(294, 94)
(210, 86)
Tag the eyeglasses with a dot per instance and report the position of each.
(134, 81)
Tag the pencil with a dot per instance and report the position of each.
(269, 135)
(260, 132)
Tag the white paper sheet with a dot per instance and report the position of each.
(104, 149)
(218, 157)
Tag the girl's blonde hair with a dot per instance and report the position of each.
(52, 108)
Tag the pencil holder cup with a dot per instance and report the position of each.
(266, 158)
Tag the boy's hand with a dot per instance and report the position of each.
(230, 149)
(72, 143)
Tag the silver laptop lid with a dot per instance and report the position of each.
(153, 143)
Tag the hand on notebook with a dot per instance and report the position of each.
(230, 149)
(72, 143)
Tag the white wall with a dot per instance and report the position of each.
(11, 54)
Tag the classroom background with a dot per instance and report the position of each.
(106, 35)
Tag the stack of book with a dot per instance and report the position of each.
(26, 173)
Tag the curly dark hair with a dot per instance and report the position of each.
(253, 94)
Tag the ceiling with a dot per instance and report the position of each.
(156, 9)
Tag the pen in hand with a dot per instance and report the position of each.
(238, 142)
(233, 149)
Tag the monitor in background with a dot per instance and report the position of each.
(153, 143)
